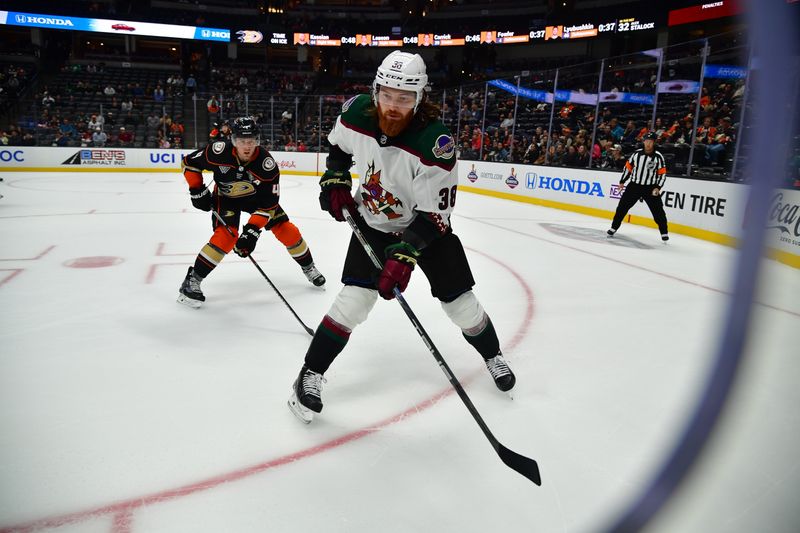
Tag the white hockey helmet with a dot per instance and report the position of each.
(401, 70)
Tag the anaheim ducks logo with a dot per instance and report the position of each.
(236, 189)
(268, 164)
(249, 36)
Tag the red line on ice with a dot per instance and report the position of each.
(123, 511)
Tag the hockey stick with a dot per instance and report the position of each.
(524, 465)
(308, 330)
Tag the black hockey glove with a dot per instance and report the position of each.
(201, 198)
(336, 193)
(247, 242)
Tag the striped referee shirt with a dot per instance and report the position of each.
(645, 169)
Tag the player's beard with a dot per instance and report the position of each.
(393, 123)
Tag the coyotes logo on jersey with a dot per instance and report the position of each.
(376, 198)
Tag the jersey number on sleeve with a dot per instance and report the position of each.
(448, 197)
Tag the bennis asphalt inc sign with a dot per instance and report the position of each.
(97, 157)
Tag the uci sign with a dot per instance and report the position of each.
(7, 156)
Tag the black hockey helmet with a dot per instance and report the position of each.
(245, 127)
(650, 136)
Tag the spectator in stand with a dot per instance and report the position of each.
(125, 137)
(99, 137)
(109, 90)
(670, 133)
(126, 106)
(301, 146)
(191, 84)
(659, 129)
(684, 134)
(28, 139)
(630, 133)
(47, 99)
(477, 139)
(176, 129)
(467, 152)
(571, 158)
(213, 105)
(67, 129)
(616, 130)
(617, 160)
(86, 138)
(61, 140)
(506, 121)
(503, 154)
(531, 153)
(582, 157)
(286, 120)
(13, 137)
(706, 132)
(718, 146)
(553, 157)
(96, 122)
(158, 94)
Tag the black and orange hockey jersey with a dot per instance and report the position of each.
(233, 178)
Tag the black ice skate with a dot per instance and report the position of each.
(190, 293)
(501, 373)
(665, 237)
(611, 232)
(313, 275)
(306, 398)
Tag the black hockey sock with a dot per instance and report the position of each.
(208, 259)
(304, 260)
(329, 340)
(202, 268)
(486, 342)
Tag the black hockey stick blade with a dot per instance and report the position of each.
(524, 465)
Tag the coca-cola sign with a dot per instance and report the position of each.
(784, 216)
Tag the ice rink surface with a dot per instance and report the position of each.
(123, 411)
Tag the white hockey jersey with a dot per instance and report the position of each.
(398, 176)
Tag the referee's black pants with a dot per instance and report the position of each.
(634, 192)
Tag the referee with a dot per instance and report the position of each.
(648, 171)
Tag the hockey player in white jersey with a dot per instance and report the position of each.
(406, 159)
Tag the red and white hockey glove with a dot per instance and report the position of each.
(336, 193)
(401, 258)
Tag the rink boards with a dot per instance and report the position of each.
(709, 210)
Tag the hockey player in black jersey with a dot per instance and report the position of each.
(246, 178)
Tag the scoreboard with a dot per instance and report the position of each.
(488, 36)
